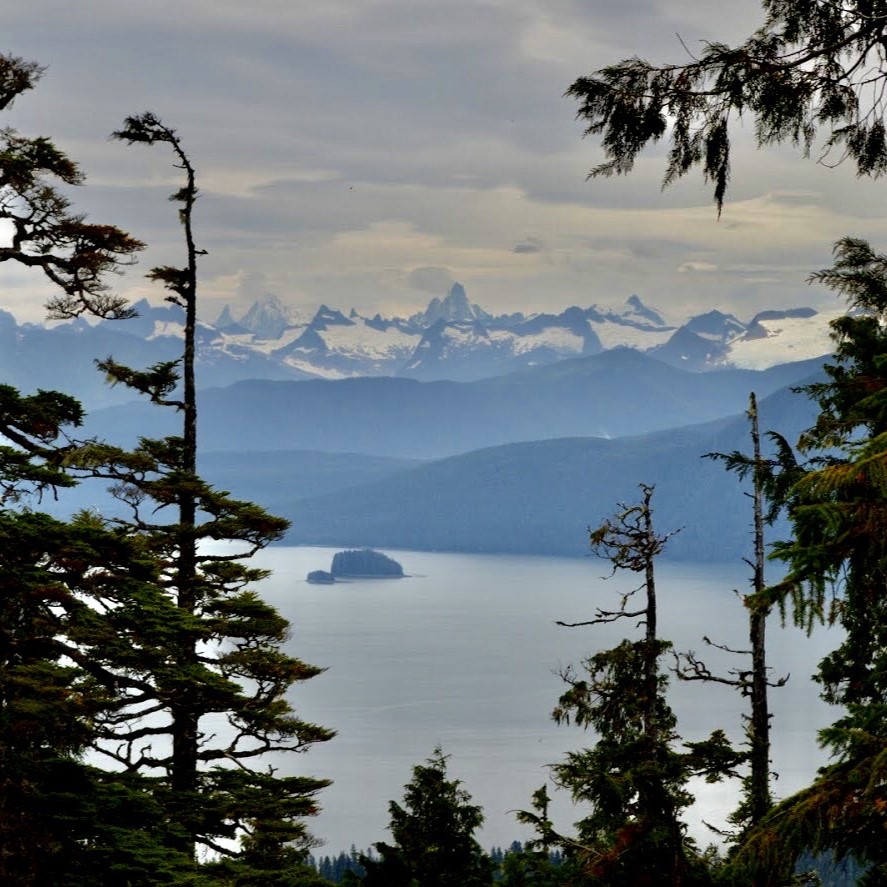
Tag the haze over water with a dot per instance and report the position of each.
(464, 652)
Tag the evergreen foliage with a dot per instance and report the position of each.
(61, 822)
(809, 68)
(518, 865)
(837, 561)
(218, 656)
(633, 780)
(536, 863)
(433, 836)
(132, 638)
(335, 868)
(72, 253)
(525, 867)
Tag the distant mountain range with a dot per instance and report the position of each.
(452, 339)
(456, 340)
(453, 429)
(613, 394)
(528, 497)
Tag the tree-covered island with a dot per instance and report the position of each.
(321, 577)
(363, 563)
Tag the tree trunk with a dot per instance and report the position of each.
(759, 794)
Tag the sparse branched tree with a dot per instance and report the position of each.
(811, 69)
(634, 779)
(753, 681)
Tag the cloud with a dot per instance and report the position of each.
(361, 153)
(430, 280)
(529, 245)
(696, 267)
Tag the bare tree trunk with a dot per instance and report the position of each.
(759, 793)
(185, 716)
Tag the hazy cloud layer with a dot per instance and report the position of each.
(368, 153)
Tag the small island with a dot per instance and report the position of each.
(364, 563)
(321, 577)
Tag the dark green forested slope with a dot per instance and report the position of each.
(531, 497)
(538, 497)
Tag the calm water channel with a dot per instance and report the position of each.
(464, 652)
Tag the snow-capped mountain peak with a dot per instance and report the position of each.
(327, 317)
(716, 326)
(225, 319)
(267, 318)
(454, 308)
(638, 311)
(455, 339)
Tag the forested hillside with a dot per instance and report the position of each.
(539, 497)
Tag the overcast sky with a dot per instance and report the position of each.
(368, 153)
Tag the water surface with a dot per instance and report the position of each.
(464, 653)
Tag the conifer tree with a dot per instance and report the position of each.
(837, 560)
(811, 68)
(753, 681)
(205, 649)
(535, 863)
(62, 821)
(433, 834)
(633, 779)
(759, 798)
(125, 636)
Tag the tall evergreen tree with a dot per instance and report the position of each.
(752, 681)
(127, 637)
(837, 560)
(634, 780)
(217, 659)
(433, 834)
(62, 822)
(759, 797)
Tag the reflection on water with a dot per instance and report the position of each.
(463, 652)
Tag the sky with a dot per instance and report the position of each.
(369, 153)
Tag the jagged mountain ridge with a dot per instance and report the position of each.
(453, 339)
(458, 340)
